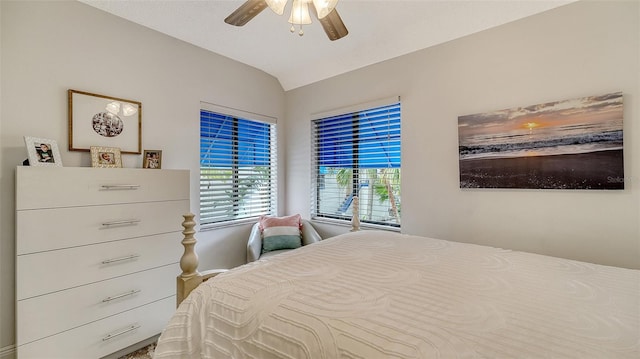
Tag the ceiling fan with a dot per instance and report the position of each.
(324, 10)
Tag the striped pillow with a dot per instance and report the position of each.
(280, 232)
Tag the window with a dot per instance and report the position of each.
(237, 168)
(358, 154)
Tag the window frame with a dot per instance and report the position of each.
(318, 179)
(235, 115)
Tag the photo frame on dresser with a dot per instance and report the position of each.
(42, 152)
(106, 157)
(99, 120)
(152, 159)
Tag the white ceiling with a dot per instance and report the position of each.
(378, 30)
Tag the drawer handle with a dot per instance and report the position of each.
(124, 331)
(120, 259)
(110, 187)
(123, 222)
(108, 299)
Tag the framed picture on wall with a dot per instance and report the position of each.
(152, 159)
(42, 152)
(98, 120)
(106, 157)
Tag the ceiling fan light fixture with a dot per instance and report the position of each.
(300, 13)
(324, 7)
(324, 10)
(277, 5)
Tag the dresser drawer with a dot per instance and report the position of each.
(54, 313)
(56, 228)
(83, 186)
(47, 272)
(105, 336)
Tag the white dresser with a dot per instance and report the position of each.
(97, 256)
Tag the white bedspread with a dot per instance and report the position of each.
(374, 294)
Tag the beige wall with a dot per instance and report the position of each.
(49, 47)
(582, 49)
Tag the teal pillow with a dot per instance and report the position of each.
(274, 243)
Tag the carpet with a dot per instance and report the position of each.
(142, 353)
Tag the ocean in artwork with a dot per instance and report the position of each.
(571, 144)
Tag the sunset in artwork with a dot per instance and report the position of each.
(571, 144)
(531, 125)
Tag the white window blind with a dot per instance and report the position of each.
(358, 154)
(238, 168)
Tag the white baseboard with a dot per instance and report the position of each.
(8, 352)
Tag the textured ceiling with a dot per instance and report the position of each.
(378, 31)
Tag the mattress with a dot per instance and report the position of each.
(375, 294)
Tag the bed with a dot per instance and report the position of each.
(376, 294)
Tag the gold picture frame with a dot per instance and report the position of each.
(99, 120)
(152, 159)
(42, 152)
(105, 157)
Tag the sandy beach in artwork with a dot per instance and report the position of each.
(594, 170)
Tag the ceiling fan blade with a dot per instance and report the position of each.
(246, 12)
(333, 26)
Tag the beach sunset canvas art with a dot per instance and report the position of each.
(571, 144)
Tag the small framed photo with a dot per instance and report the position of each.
(42, 152)
(106, 157)
(152, 159)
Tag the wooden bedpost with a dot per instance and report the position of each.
(190, 277)
(189, 260)
(188, 280)
(355, 218)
